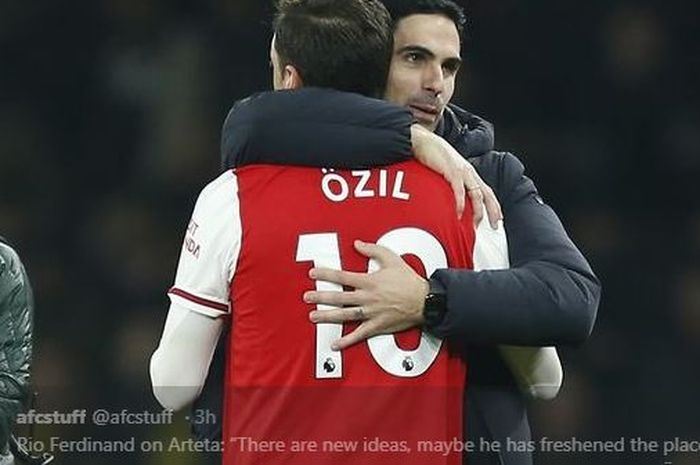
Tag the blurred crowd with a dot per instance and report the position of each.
(110, 116)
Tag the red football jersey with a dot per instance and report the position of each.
(255, 234)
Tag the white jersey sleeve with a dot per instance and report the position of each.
(180, 364)
(490, 248)
(210, 250)
(537, 370)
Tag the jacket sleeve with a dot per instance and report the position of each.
(16, 312)
(315, 127)
(549, 296)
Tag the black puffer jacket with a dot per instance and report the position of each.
(16, 322)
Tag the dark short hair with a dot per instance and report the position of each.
(399, 9)
(342, 44)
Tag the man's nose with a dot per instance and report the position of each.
(434, 79)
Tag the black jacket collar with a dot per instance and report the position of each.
(471, 135)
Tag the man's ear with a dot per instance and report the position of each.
(291, 79)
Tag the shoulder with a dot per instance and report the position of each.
(500, 170)
(224, 184)
(217, 211)
(221, 191)
(494, 161)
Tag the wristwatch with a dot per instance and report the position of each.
(435, 306)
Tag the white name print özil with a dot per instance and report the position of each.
(365, 184)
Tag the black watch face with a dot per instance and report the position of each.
(434, 308)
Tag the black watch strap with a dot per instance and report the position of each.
(435, 306)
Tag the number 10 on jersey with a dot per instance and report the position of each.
(324, 251)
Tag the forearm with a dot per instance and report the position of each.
(537, 305)
(180, 364)
(315, 127)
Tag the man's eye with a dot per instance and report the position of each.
(413, 57)
(449, 69)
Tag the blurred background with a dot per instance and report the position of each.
(110, 116)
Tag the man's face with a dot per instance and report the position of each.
(424, 66)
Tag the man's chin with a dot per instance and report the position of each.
(427, 120)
